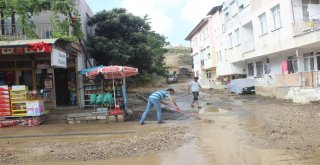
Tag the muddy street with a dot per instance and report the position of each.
(233, 129)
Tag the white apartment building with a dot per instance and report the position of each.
(277, 42)
(236, 39)
(202, 43)
(261, 37)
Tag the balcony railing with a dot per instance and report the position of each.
(304, 79)
(14, 32)
(302, 27)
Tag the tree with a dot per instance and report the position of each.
(25, 9)
(122, 38)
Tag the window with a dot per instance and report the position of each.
(318, 61)
(263, 23)
(48, 34)
(259, 69)
(230, 40)
(226, 16)
(206, 33)
(237, 37)
(233, 9)
(250, 69)
(223, 27)
(306, 11)
(219, 57)
(292, 64)
(308, 61)
(276, 17)
(209, 75)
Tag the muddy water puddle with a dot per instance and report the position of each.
(219, 143)
(215, 109)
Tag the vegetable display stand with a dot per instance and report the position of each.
(18, 97)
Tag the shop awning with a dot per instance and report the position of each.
(19, 43)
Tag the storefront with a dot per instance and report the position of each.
(47, 67)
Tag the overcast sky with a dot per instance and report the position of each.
(174, 19)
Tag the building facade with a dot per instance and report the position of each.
(274, 41)
(202, 41)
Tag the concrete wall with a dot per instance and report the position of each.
(296, 94)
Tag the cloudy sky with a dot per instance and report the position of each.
(174, 19)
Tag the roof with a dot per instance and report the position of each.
(203, 22)
(15, 43)
(214, 10)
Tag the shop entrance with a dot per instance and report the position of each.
(65, 86)
(25, 78)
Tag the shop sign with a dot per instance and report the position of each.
(58, 58)
(48, 84)
(7, 51)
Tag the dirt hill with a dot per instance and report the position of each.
(178, 57)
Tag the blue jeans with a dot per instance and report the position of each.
(152, 103)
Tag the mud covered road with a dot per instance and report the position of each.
(234, 129)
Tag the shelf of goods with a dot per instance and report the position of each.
(35, 108)
(91, 87)
(5, 109)
(18, 96)
(115, 89)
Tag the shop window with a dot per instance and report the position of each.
(7, 78)
(71, 61)
(24, 64)
(6, 64)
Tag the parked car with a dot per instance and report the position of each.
(249, 90)
(242, 86)
(172, 79)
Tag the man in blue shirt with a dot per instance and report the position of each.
(154, 101)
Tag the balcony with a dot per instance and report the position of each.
(14, 32)
(303, 27)
(248, 46)
(304, 79)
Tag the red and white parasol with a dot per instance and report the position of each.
(114, 72)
